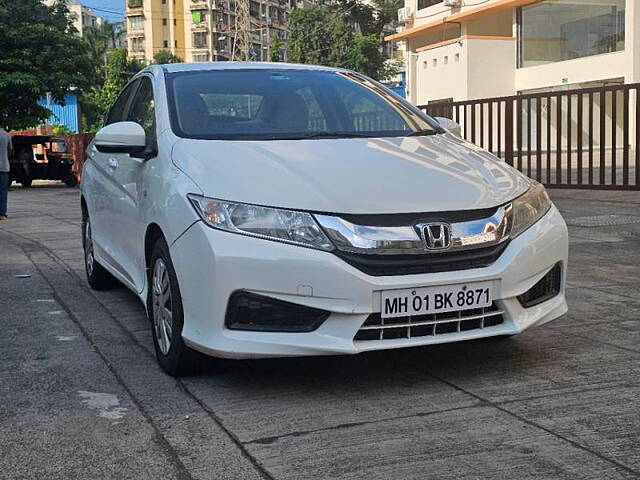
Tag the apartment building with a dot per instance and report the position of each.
(460, 50)
(202, 30)
(82, 16)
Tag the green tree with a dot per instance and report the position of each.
(97, 101)
(100, 41)
(40, 53)
(275, 50)
(60, 129)
(165, 56)
(348, 35)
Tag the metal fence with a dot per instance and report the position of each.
(585, 138)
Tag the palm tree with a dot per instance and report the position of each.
(110, 32)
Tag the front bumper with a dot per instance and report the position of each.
(211, 265)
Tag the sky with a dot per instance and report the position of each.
(113, 10)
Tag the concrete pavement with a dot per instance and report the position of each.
(82, 396)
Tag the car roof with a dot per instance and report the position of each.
(212, 66)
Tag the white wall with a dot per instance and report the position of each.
(436, 79)
(471, 68)
(492, 66)
(580, 70)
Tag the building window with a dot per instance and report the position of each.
(254, 9)
(200, 39)
(427, 3)
(166, 44)
(136, 22)
(175, 43)
(137, 44)
(201, 57)
(164, 21)
(558, 30)
(175, 22)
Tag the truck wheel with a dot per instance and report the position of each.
(71, 180)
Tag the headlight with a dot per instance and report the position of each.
(276, 224)
(529, 208)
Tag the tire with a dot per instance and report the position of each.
(71, 180)
(97, 277)
(166, 314)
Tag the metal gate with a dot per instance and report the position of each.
(586, 138)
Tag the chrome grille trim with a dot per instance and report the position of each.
(431, 325)
(408, 239)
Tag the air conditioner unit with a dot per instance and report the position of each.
(405, 14)
(453, 3)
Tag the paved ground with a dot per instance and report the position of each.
(81, 396)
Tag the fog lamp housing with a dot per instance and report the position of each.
(545, 289)
(253, 312)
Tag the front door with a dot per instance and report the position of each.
(102, 190)
(129, 177)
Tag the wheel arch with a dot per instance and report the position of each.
(151, 236)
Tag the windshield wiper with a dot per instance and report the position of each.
(325, 135)
(422, 133)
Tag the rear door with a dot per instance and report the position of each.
(100, 187)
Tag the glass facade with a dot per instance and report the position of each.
(558, 30)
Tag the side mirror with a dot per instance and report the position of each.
(121, 137)
(449, 125)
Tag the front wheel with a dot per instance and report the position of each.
(164, 307)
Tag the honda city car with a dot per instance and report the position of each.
(273, 210)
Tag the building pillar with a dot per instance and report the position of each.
(632, 49)
(632, 41)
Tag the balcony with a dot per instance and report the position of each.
(201, 43)
(137, 48)
(200, 27)
(134, 8)
(199, 5)
(135, 23)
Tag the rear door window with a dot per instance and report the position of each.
(118, 110)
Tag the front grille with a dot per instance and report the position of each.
(377, 328)
(381, 265)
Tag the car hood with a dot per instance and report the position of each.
(359, 175)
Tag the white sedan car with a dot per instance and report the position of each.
(263, 210)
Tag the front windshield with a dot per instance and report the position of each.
(278, 104)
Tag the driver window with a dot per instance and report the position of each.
(142, 108)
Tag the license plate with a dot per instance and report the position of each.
(440, 299)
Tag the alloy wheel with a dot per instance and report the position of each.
(162, 306)
(88, 248)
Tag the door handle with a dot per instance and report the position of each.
(113, 163)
